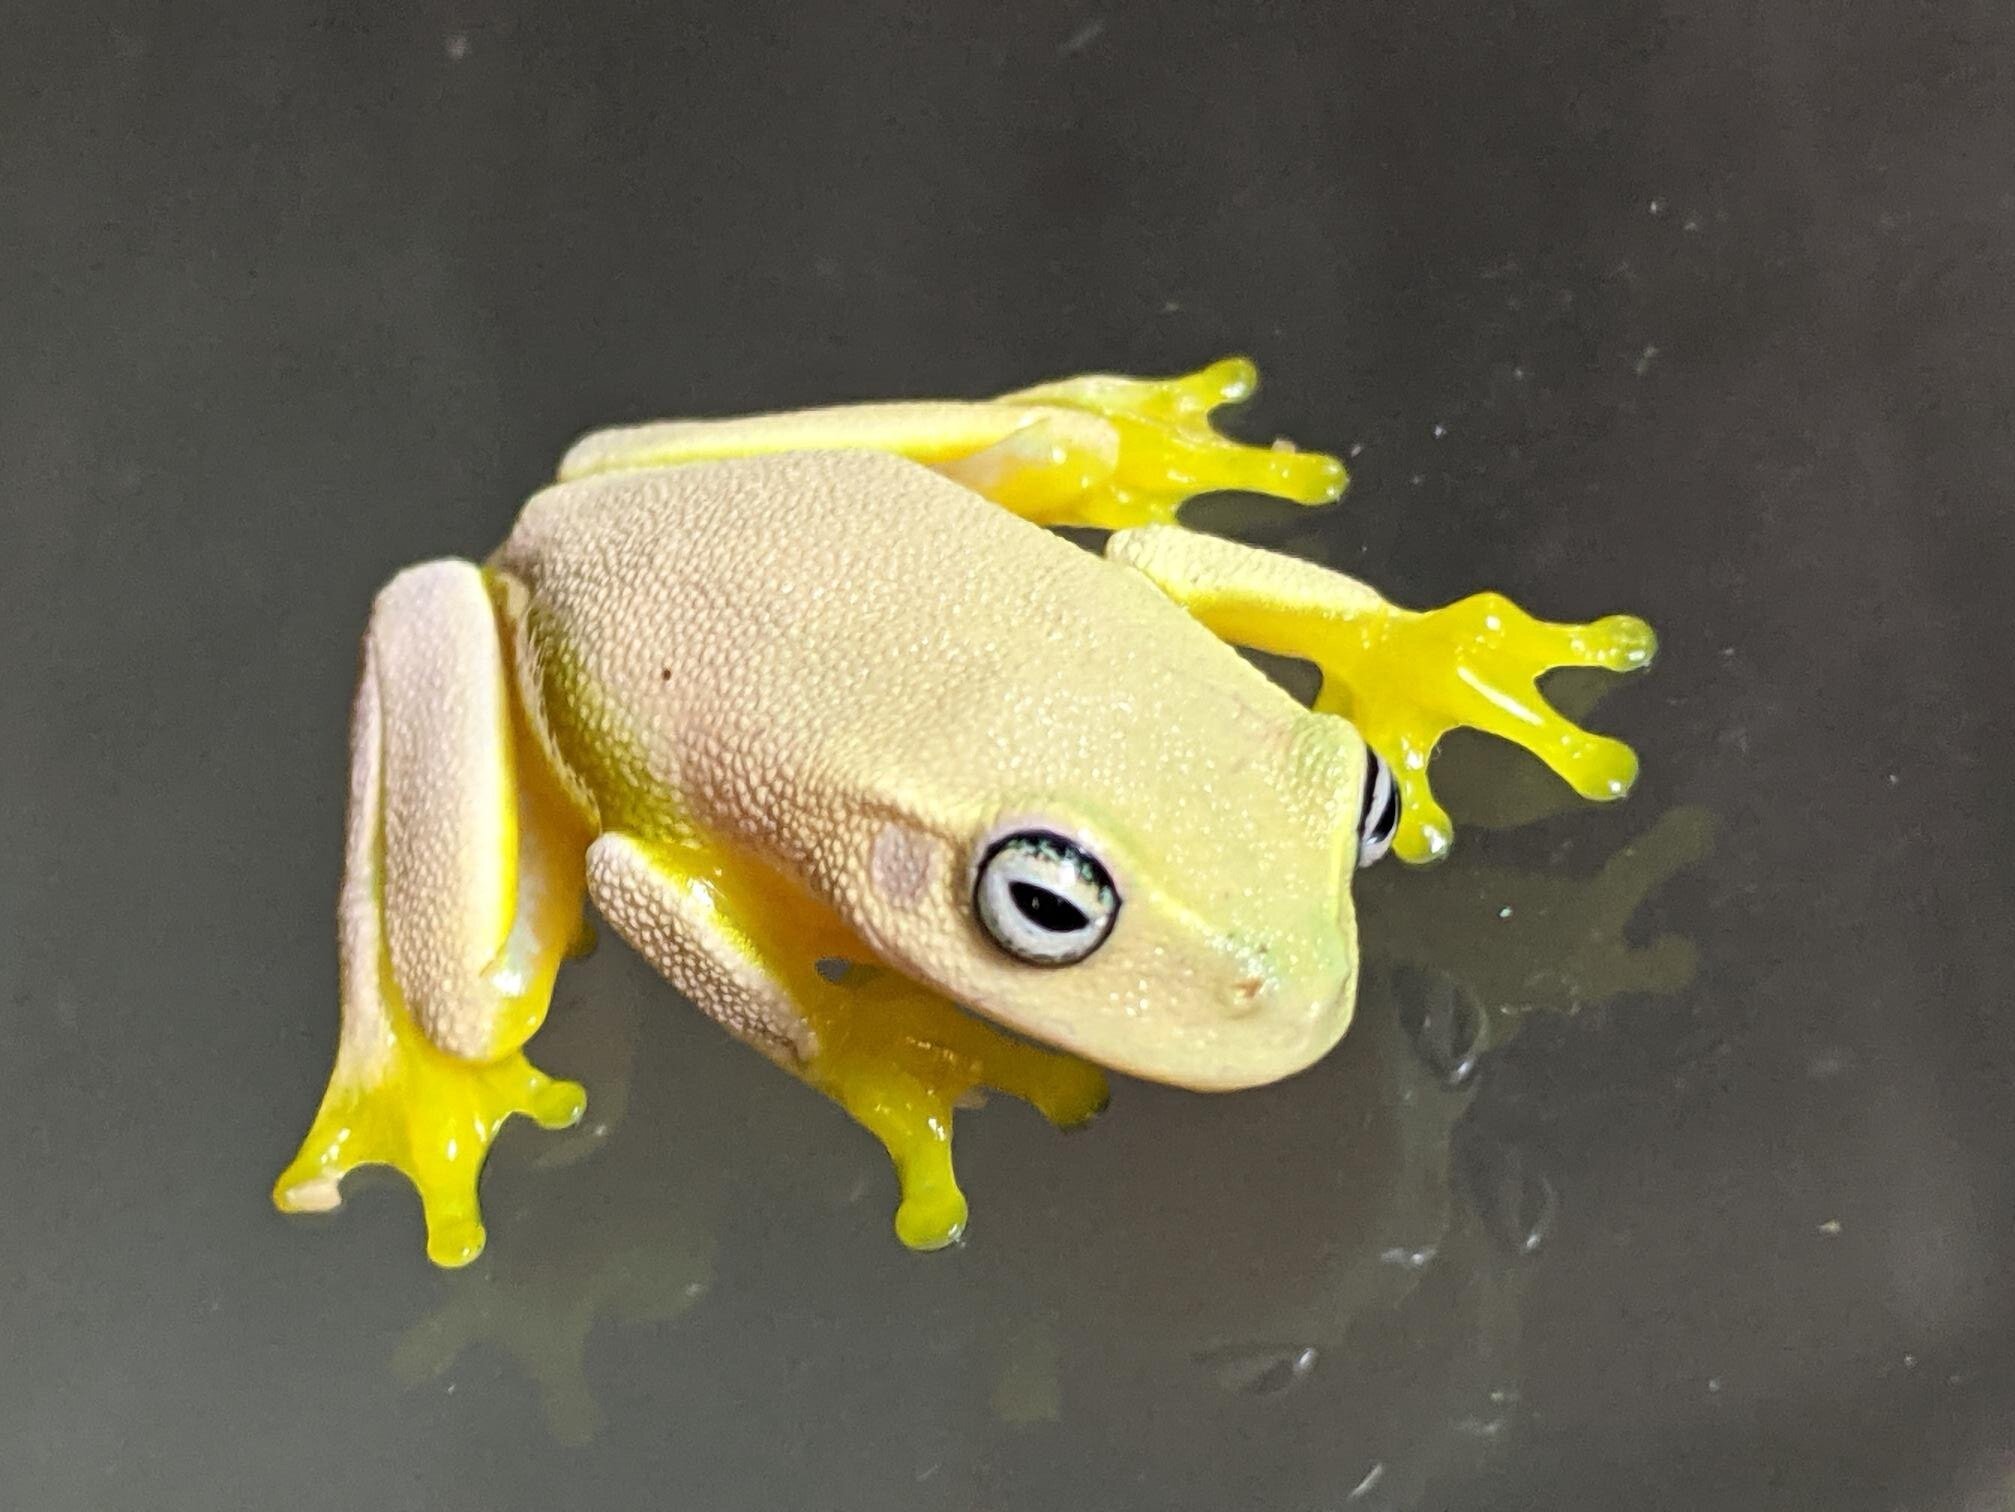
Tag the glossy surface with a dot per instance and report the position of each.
(1709, 303)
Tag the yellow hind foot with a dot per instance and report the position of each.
(1166, 451)
(1405, 679)
(900, 1059)
(429, 1115)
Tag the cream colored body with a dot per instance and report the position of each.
(855, 669)
(768, 690)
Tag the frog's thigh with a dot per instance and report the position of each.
(461, 892)
(1099, 450)
(896, 1056)
(482, 860)
(1037, 461)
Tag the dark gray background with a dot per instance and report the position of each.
(1712, 304)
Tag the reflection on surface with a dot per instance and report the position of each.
(1490, 941)
(579, 1250)
(1354, 1287)
(1356, 1299)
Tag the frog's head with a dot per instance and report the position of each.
(1169, 900)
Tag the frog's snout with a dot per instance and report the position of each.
(1296, 1005)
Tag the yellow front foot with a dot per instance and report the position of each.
(428, 1114)
(900, 1059)
(1167, 451)
(1405, 679)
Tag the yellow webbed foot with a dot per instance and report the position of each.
(900, 1059)
(431, 1116)
(1167, 451)
(1405, 679)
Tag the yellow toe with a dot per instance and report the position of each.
(454, 1238)
(931, 1218)
(1069, 1092)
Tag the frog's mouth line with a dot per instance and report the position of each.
(1226, 1060)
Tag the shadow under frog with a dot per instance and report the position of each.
(1338, 1263)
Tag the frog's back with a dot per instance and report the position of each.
(750, 630)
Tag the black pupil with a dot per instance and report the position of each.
(1380, 826)
(1045, 909)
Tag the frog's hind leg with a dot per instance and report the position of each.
(462, 891)
(1098, 450)
(746, 945)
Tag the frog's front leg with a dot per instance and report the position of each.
(462, 891)
(1403, 678)
(746, 945)
(1098, 450)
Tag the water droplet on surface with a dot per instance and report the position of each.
(1444, 1021)
(1082, 38)
(1406, 1257)
(1259, 1370)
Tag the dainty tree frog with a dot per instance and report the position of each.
(830, 729)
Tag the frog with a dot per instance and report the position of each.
(836, 717)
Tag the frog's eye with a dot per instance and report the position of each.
(1044, 899)
(1379, 817)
